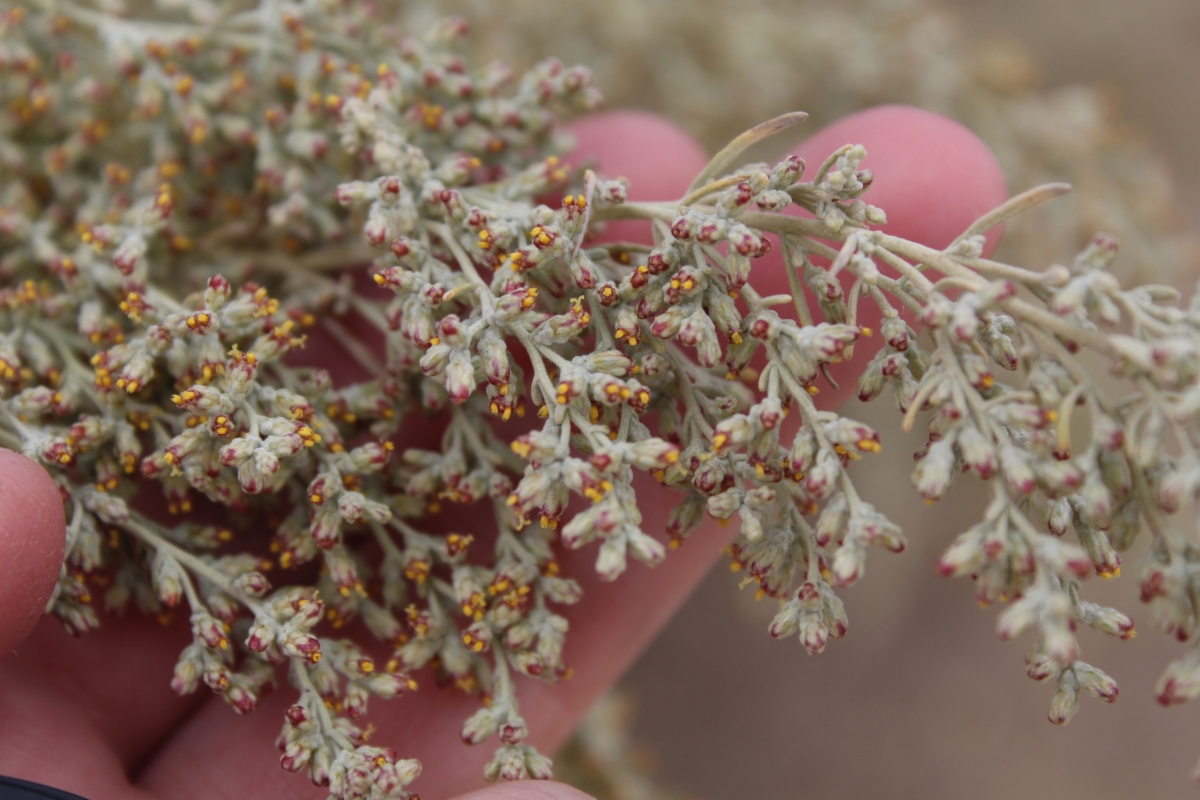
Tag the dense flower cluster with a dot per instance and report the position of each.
(176, 192)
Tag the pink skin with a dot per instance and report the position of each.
(96, 717)
(32, 535)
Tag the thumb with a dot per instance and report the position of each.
(527, 790)
(32, 537)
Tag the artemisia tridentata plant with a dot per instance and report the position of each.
(177, 193)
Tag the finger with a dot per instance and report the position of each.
(527, 790)
(106, 692)
(933, 176)
(659, 159)
(46, 734)
(32, 536)
(48, 737)
(112, 684)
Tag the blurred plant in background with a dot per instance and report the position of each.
(715, 67)
(603, 760)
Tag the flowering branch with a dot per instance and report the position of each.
(146, 173)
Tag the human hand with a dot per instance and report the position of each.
(96, 716)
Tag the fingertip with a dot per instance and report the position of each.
(527, 790)
(658, 158)
(933, 176)
(32, 537)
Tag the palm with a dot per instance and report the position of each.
(96, 716)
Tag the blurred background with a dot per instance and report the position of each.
(920, 699)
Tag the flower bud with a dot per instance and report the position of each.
(480, 725)
(814, 633)
(460, 377)
(477, 637)
(169, 578)
(1105, 559)
(107, 507)
(895, 332)
(295, 756)
(239, 451)
(301, 645)
(787, 621)
(823, 476)
(1096, 682)
(723, 505)
(1066, 698)
(935, 472)
(187, 672)
(252, 583)
(964, 556)
(831, 525)
(1019, 617)
(653, 454)
(1180, 682)
(1018, 474)
(610, 561)
(645, 548)
(964, 321)
(216, 676)
(354, 193)
(848, 562)
(976, 451)
(208, 630)
(1058, 515)
(260, 637)
(1063, 557)
(1057, 477)
(1106, 620)
(733, 432)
